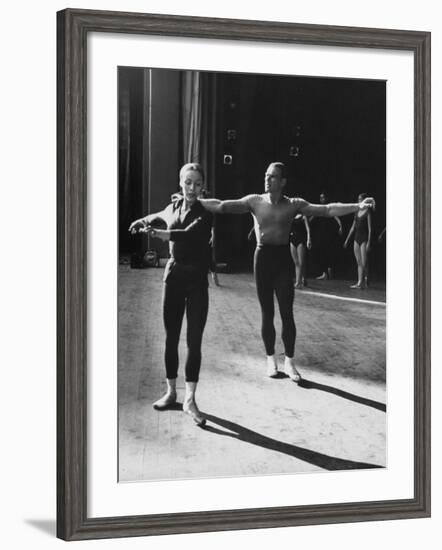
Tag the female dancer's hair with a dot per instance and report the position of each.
(192, 166)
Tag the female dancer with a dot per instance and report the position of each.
(299, 240)
(185, 288)
(361, 227)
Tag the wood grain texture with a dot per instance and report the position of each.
(72, 29)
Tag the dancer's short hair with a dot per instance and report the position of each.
(281, 167)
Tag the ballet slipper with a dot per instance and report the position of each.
(357, 286)
(190, 408)
(290, 370)
(272, 366)
(166, 401)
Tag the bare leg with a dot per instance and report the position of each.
(364, 262)
(215, 278)
(301, 258)
(295, 257)
(357, 253)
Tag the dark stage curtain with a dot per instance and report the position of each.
(130, 140)
(198, 124)
(198, 108)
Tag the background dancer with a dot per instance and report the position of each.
(361, 227)
(299, 242)
(326, 232)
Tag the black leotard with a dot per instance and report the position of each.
(361, 228)
(298, 232)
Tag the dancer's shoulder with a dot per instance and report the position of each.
(254, 199)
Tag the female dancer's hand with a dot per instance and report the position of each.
(309, 244)
(369, 202)
(137, 226)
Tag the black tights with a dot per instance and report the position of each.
(193, 299)
(274, 273)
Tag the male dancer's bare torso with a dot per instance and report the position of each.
(272, 221)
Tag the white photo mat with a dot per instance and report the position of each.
(107, 497)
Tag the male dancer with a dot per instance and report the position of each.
(273, 214)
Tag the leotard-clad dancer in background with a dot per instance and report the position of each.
(299, 242)
(361, 227)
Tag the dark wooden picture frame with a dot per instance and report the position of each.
(73, 27)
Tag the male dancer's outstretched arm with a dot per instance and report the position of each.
(333, 209)
(239, 206)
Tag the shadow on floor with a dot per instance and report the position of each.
(280, 375)
(312, 457)
(47, 526)
(310, 385)
(174, 407)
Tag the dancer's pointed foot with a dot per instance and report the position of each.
(322, 277)
(272, 366)
(357, 286)
(166, 401)
(290, 369)
(190, 408)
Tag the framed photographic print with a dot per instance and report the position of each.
(229, 192)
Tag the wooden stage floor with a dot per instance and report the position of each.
(334, 420)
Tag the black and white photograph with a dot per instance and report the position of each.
(252, 274)
(220, 231)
